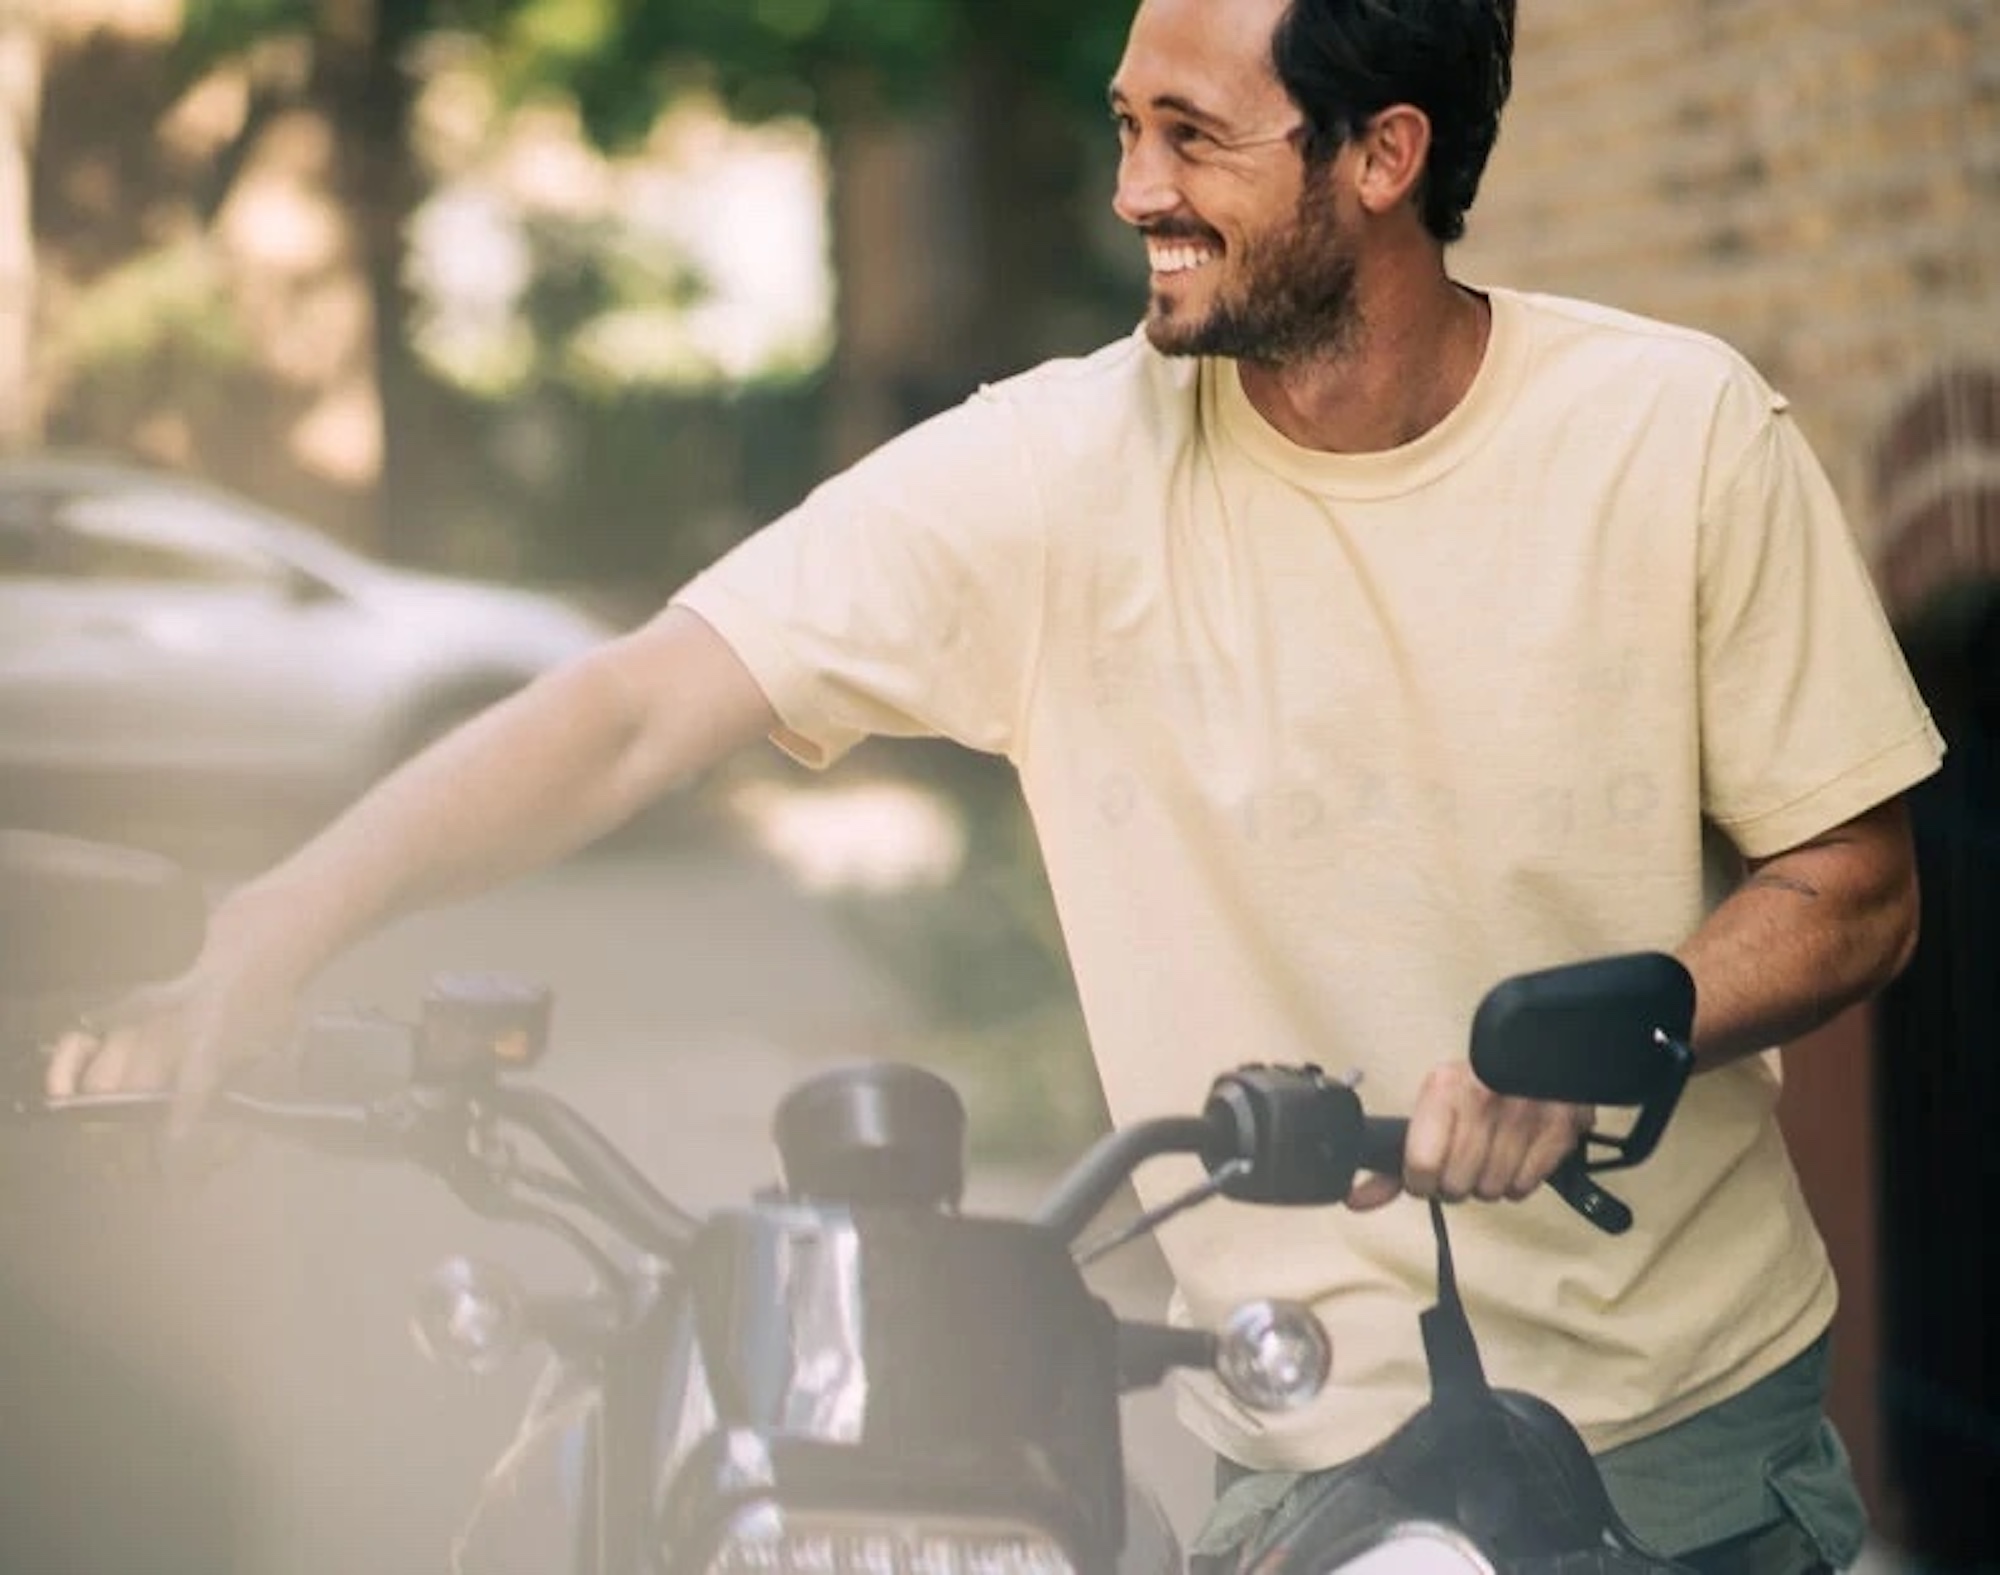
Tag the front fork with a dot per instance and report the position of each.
(625, 1454)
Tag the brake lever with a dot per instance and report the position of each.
(1573, 1183)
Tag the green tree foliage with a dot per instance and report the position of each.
(1022, 82)
(803, 57)
(623, 58)
(1016, 87)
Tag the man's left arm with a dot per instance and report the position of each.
(1807, 933)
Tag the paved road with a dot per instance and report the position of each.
(219, 1378)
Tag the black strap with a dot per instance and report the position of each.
(1458, 1379)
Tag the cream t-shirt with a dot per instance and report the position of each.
(1319, 747)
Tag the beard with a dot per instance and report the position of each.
(1292, 297)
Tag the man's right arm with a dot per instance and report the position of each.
(538, 776)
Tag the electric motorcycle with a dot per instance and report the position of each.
(849, 1374)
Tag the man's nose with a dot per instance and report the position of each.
(1145, 190)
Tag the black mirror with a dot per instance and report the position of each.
(1611, 1031)
(87, 919)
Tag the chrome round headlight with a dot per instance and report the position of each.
(469, 1315)
(1273, 1355)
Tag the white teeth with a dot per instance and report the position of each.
(1178, 259)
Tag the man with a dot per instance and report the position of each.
(1360, 637)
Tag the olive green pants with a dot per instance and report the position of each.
(1756, 1485)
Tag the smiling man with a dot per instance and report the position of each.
(1361, 636)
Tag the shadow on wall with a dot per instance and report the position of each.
(1938, 1085)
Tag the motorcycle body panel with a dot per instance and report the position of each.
(899, 1361)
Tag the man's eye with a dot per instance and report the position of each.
(1127, 127)
(1191, 140)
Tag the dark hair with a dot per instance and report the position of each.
(1343, 61)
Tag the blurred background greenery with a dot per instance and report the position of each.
(569, 288)
(577, 292)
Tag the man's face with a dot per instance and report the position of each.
(1249, 257)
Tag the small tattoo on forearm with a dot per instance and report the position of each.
(1777, 882)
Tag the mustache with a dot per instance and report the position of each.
(1179, 230)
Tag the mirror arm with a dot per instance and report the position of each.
(1572, 1183)
(1638, 1144)
(1573, 1180)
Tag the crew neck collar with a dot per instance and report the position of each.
(1385, 472)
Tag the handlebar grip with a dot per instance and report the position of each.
(303, 1120)
(95, 1109)
(1382, 1141)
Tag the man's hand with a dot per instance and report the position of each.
(1468, 1142)
(179, 1036)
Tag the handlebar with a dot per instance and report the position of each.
(619, 1191)
(1299, 1140)
(308, 1119)
(1273, 1135)
(426, 1125)
(1285, 1136)
(1383, 1139)
(1108, 1165)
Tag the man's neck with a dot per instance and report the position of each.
(1410, 362)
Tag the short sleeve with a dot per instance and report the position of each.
(903, 597)
(1809, 715)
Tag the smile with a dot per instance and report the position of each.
(1176, 257)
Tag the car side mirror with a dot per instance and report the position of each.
(1610, 1031)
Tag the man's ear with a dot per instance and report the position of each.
(1392, 153)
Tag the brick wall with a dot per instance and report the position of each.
(1819, 184)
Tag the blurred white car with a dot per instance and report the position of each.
(167, 647)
